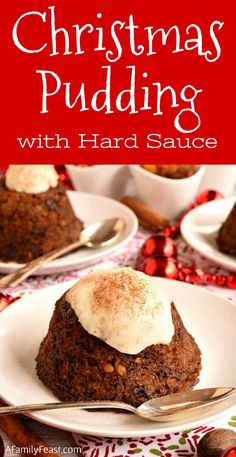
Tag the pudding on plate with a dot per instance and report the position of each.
(116, 335)
(227, 235)
(36, 216)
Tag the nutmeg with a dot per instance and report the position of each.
(214, 443)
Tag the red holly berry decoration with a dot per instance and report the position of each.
(172, 230)
(219, 442)
(160, 246)
(230, 452)
(231, 281)
(6, 300)
(208, 196)
(158, 254)
(161, 266)
(191, 275)
(64, 177)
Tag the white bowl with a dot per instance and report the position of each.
(169, 196)
(107, 180)
(219, 177)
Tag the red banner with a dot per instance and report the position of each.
(117, 82)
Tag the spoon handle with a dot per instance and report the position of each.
(16, 277)
(6, 410)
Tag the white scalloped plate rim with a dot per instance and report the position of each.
(212, 214)
(24, 324)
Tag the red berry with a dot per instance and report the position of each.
(231, 281)
(161, 266)
(207, 196)
(211, 278)
(221, 280)
(171, 231)
(159, 245)
(230, 452)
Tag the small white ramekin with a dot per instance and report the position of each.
(107, 180)
(219, 177)
(169, 196)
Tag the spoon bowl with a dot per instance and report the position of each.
(179, 405)
(103, 233)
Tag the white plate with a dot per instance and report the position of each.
(89, 208)
(210, 318)
(200, 227)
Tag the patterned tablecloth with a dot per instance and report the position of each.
(178, 444)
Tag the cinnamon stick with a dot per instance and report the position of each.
(148, 218)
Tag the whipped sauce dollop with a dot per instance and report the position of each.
(31, 179)
(125, 308)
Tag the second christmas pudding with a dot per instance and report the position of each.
(36, 216)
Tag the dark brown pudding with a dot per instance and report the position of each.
(76, 365)
(227, 235)
(34, 224)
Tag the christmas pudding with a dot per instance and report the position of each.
(227, 234)
(116, 335)
(35, 213)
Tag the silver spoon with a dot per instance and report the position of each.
(167, 408)
(97, 235)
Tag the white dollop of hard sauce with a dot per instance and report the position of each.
(31, 179)
(126, 309)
